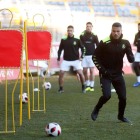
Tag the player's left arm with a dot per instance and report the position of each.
(83, 49)
(96, 41)
(129, 52)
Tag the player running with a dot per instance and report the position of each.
(89, 39)
(70, 44)
(108, 58)
(137, 56)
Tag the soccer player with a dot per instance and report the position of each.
(108, 58)
(70, 44)
(89, 39)
(137, 56)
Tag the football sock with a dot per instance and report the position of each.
(83, 87)
(138, 78)
(91, 83)
(87, 83)
(61, 88)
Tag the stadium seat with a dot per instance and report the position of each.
(75, 3)
(96, 4)
(72, 8)
(109, 4)
(86, 9)
(112, 12)
(79, 9)
(120, 12)
(60, 3)
(106, 12)
(103, 4)
(133, 4)
(126, 12)
(83, 3)
(99, 12)
(70, 3)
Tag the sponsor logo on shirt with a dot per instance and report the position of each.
(108, 42)
(90, 37)
(123, 46)
(74, 43)
(87, 41)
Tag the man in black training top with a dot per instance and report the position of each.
(108, 58)
(70, 44)
(89, 40)
(137, 57)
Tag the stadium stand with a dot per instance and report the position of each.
(58, 13)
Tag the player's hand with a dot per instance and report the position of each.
(80, 59)
(58, 62)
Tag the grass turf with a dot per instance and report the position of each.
(72, 110)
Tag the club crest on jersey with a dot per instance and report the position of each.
(123, 46)
(74, 43)
(90, 37)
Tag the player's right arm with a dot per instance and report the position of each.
(96, 58)
(60, 50)
(135, 41)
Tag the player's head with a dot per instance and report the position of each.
(116, 30)
(70, 30)
(89, 27)
(138, 26)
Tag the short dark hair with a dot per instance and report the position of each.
(138, 23)
(70, 26)
(117, 24)
(89, 23)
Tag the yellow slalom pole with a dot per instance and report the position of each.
(0, 24)
(21, 91)
(13, 102)
(32, 87)
(26, 52)
(6, 100)
(38, 82)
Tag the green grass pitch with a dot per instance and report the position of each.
(72, 110)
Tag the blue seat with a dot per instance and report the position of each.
(86, 9)
(120, 12)
(110, 4)
(96, 4)
(106, 12)
(60, 3)
(126, 12)
(133, 4)
(73, 9)
(53, 3)
(79, 9)
(83, 3)
(47, 2)
(70, 3)
(99, 12)
(75, 3)
(103, 4)
(112, 12)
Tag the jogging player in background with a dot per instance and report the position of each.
(70, 44)
(108, 58)
(89, 39)
(137, 56)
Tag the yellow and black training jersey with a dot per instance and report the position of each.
(89, 40)
(109, 54)
(71, 46)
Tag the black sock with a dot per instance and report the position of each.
(61, 88)
(91, 87)
(83, 87)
